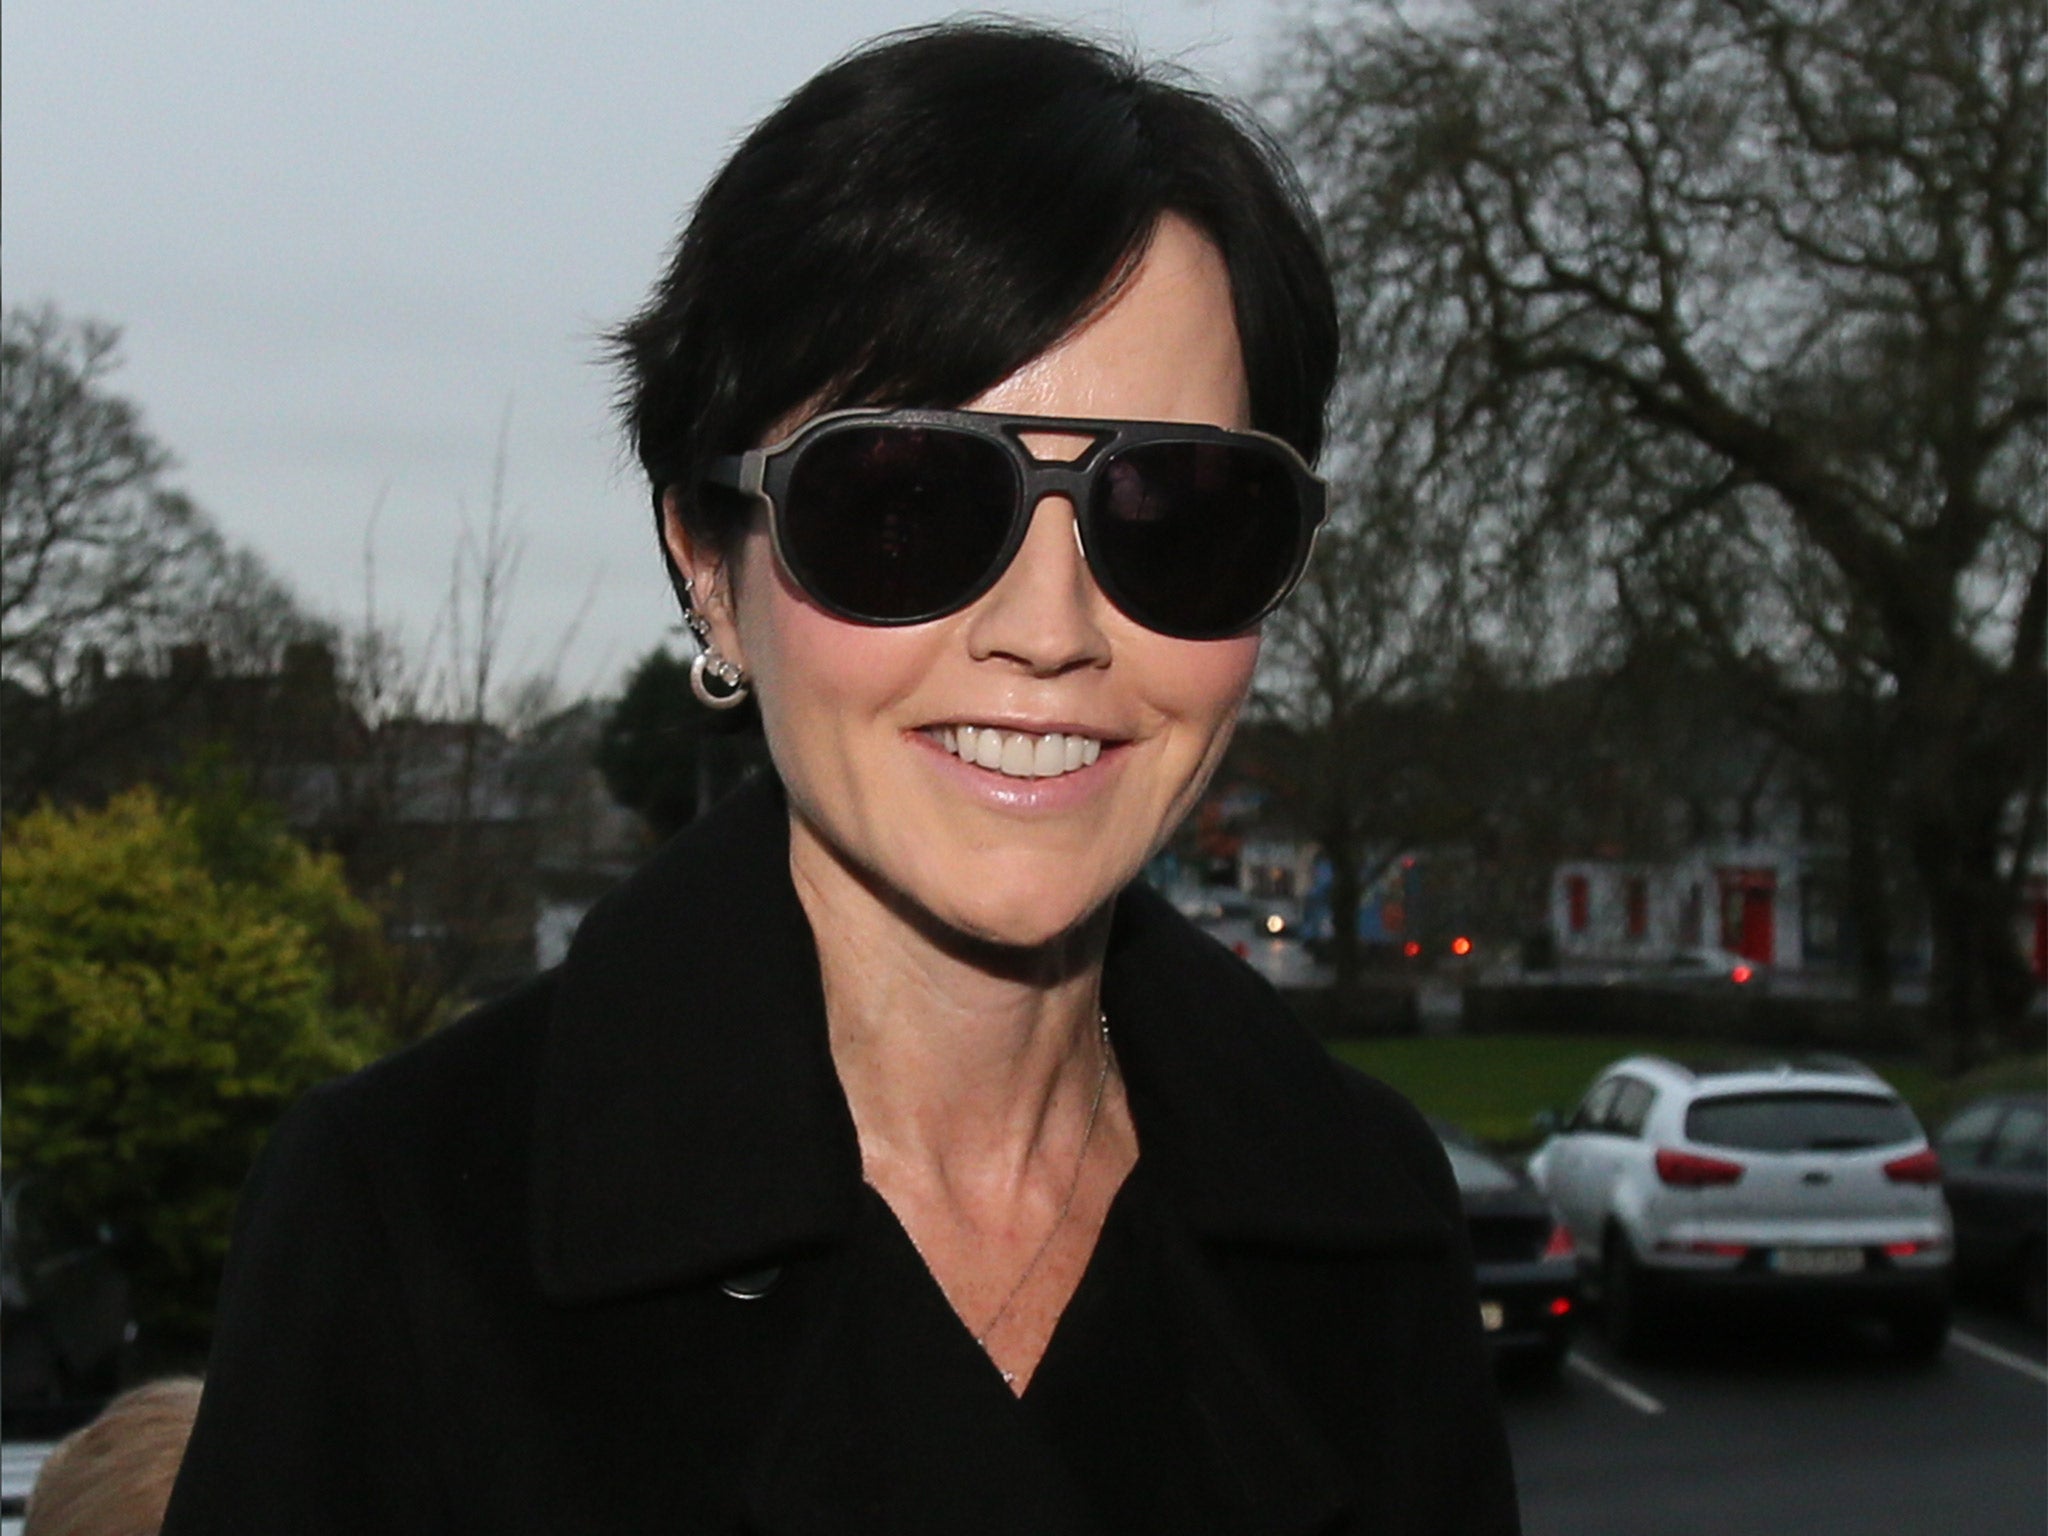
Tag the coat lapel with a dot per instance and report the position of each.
(893, 1421)
(690, 1121)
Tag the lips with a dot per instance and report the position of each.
(1018, 754)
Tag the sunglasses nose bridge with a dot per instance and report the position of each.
(1068, 480)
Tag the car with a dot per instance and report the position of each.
(1275, 916)
(1994, 1168)
(1703, 966)
(1280, 958)
(1789, 1182)
(1264, 932)
(1527, 1270)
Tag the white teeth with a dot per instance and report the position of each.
(1018, 755)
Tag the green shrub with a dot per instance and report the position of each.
(176, 972)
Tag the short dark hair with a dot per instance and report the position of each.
(933, 211)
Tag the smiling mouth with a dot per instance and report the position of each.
(1017, 754)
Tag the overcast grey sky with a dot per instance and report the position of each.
(342, 241)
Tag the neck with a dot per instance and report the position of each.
(963, 1063)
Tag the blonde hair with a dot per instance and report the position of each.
(114, 1476)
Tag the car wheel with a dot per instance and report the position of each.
(1625, 1311)
(1918, 1333)
(2034, 1283)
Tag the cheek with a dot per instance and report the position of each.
(1205, 682)
(813, 674)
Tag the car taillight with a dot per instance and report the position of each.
(1911, 1250)
(1560, 1306)
(1689, 1170)
(1560, 1245)
(1741, 975)
(1921, 1167)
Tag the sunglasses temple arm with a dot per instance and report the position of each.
(742, 472)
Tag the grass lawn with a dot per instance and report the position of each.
(1494, 1085)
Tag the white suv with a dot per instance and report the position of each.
(1800, 1179)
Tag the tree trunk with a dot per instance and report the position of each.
(1345, 889)
(1868, 894)
(1976, 988)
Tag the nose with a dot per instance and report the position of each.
(1043, 612)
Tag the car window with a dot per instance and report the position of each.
(1631, 1107)
(1593, 1109)
(1800, 1122)
(1962, 1144)
(2022, 1144)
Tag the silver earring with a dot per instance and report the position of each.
(716, 681)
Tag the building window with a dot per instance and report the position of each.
(1578, 903)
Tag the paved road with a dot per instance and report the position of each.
(1754, 1431)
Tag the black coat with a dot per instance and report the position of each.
(600, 1259)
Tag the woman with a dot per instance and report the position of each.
(882, 1159)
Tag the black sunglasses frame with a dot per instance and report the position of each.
(763, 475)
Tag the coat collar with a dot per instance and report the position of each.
(691, 1125)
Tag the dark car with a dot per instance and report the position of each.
(1528, 1271)
(1994, 1161)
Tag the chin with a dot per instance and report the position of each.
(1021, 925)
(1015, 910)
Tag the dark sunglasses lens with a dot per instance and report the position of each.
(894, 524)
(1195, 539)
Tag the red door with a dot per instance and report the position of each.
(1748, 913)
(1759, 930)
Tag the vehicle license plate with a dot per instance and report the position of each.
(1817, 1261)
(1491, 1316)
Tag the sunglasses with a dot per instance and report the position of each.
(903, 516)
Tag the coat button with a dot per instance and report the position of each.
(751, 1284)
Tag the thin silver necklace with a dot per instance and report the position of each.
(982, 1334)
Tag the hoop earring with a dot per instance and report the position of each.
(709, 667)
(717, 683)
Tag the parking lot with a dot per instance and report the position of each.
(1755, 1430)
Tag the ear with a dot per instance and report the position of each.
(710, 576)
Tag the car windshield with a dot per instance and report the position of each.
(1800, 1122)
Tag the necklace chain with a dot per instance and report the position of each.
(982, 1334)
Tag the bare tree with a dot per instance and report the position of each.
(1743, 302)
(104, 567)
(1368, 640)
(94, 548)
(438, 814)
